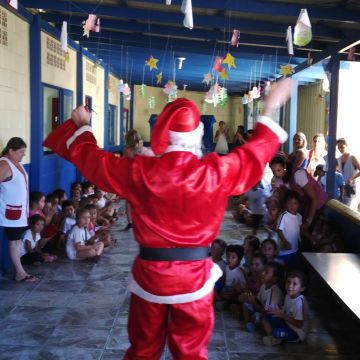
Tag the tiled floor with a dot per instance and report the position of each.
(79, 311)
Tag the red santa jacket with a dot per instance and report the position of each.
(177, 200)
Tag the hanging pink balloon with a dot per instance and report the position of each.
(217, 65)
(235, 38)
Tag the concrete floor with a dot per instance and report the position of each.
(79, 311)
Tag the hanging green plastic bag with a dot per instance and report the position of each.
(302, 32)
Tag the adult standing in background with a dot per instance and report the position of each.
(317, 154)
(14, 202)
(349, 166)
(299, 156)
(239, 137)
(221, 139)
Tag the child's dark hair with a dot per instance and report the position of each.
(270, 241)
(253, 242)
(90, 207)
(74, 185)
(84, 201)
(278, 269)
(86, 185)
(34, 219)
(35, 197)
(92, 197)
(67, 203)
(51, 198)
(237, 249)
(294, 273)
(221, 242)
(259, 256)
(279, 160)
(59, 193)
(81, 211)
(290, 195)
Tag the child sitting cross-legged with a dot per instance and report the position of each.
(218, 248)
(251, 247)
(235, 281)
(98, 233)
(31, 253)
(269, 249)
(288, 323)
(77, 238)
(269, 295)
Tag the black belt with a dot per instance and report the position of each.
(173, 254)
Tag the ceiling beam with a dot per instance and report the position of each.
(112, 29)
(273, 8)
(219, 22)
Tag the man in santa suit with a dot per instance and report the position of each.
(178, 199)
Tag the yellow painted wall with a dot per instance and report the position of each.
(14, 80)
(94, 86)
(232, 113)
(311, 114)
(55, 70)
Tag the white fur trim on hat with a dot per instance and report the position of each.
(206, 289)
(186, 141)
(274, 127)
(77, 133)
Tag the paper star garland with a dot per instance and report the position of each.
(142, 90)
(223, 97)
(229, 60)
(92, 23)
(207, 78)
(171, 89)
(213, 96)
(235, 38)
(152, 102)
(224, 74)
(151, 63)
(217, 65)
(286, 70)
(159, 78)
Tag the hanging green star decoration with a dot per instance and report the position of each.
(152, 102)
(223, 97)
(203, 108)
(142, 90)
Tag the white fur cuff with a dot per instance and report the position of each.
(77, 133)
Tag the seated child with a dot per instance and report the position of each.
(87, 189)
(269, 249)
(269, 296)
(251, 246)
(31, 251)
(288, 230)
(76, 247)
(234, 277)
(101, 198)
(217, 252)
(67, 222)
(75, 194)
(290, 322)
(61, 195)
(253, 279)
(98, 233)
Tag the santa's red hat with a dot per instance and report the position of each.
(178, 124)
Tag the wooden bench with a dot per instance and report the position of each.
(341, 272)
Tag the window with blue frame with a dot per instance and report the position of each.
(113, 128)
(57, 107)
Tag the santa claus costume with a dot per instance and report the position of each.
(178, 201)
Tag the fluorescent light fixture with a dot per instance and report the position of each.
(350, 46)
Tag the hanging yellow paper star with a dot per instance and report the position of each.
(159, 78)
(151, 63)
(224, 74)
(286, 70)
(229, 60)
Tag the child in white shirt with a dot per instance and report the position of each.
(288, 230)
(269, 296)
(76, 247)
(290, 322)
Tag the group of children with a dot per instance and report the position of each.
(78, 226)
(254, 281)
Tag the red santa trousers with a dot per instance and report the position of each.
(187, 328)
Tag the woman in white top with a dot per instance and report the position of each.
(221, 140)
(349, 166)
(317, 154)
(14, 202)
